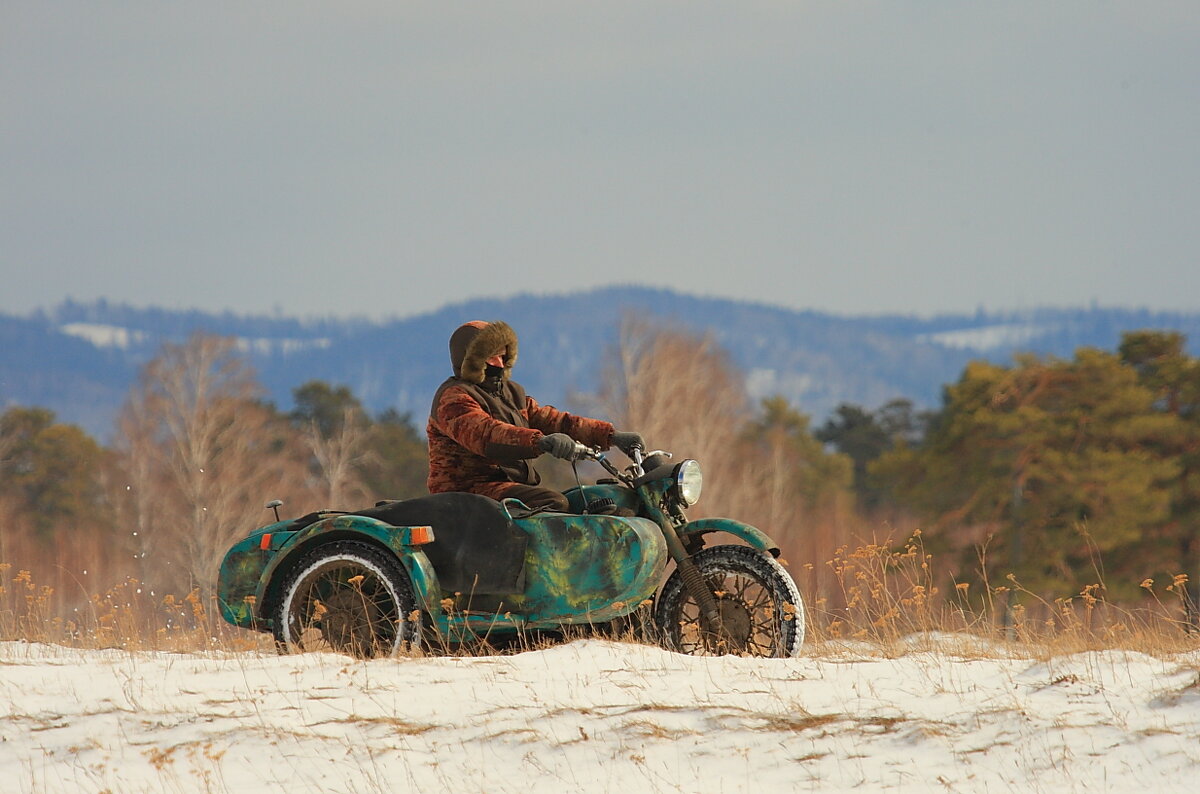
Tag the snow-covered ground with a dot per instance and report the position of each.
(598, 716)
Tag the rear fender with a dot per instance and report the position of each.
(403, 542)
(753, 536)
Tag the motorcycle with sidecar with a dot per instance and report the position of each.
(452, 569)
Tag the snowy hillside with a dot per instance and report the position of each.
(80, 359)
(596, 716)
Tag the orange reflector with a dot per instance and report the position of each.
(418, 536)
(265, 543)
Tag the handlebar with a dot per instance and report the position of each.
(584, 452)
(632, 473)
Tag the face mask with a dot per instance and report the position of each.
(493, 378)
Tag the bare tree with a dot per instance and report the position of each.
(201, 454)
(681, 393)
(336, 429)
(141, 491)
(339, 455)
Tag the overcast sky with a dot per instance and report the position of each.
(386, 158)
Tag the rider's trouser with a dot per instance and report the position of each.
(532, 495)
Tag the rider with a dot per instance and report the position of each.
(483, 428)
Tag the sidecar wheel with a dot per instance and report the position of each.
(762, 613)
(347, 597)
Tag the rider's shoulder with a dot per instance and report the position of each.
(457, 389)
(452, 391)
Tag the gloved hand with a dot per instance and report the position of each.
(627, 441)
(560, 445)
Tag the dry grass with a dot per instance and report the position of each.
(126, 616)
(891, 592)
(888, 594)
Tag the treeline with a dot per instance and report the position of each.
(1053, 471)
(1048, 477)
(197, 452)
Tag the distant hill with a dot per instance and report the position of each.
(80, 359)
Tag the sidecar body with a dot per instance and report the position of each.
(478, 568)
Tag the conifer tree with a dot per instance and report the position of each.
(1173, 377)
(1048, 462)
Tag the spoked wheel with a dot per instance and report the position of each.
(760, 611)
(348, 597)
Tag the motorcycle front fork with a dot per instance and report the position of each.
(693, 582)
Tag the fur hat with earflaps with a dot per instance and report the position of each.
(477, 341)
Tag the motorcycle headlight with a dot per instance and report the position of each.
(689, 481)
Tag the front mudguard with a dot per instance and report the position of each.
(753, 536)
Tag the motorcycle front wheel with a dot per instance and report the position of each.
(760, 610)
(347, 597)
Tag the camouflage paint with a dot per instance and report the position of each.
(582, 569)
(241, 573)
(424, 579)
(248, 569)
(579, 569)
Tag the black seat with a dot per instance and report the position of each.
(476, 549)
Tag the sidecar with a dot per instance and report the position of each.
(436, 571)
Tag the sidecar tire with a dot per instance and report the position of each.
(325, 606)
(773, 629)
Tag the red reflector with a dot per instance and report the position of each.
(420, 535)
(265, 543)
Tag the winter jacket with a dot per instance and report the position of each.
(484, 430)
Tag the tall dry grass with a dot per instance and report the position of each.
(891, 595)
(125, 615)
(894, 591)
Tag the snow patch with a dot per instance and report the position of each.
(114, 336)
(989, 337)
(282, 346)
(104, 335)
(763, 382)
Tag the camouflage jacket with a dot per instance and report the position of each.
(483, 429)
(481, 435)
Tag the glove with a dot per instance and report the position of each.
(560, 445)
(627, 441)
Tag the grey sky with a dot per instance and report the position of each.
(386, 158)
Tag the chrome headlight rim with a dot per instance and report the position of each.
(689, 481)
